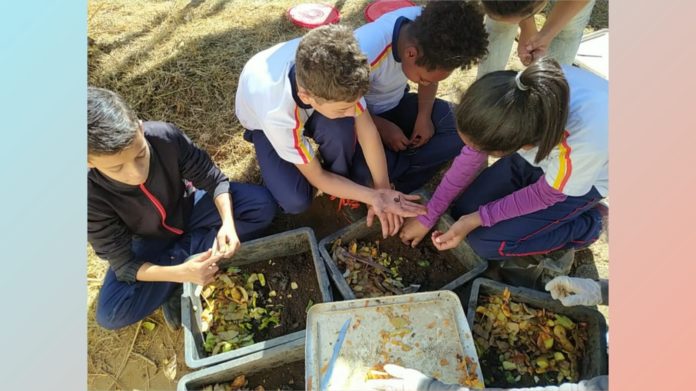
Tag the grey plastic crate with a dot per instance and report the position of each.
(358, 230)
(595, 361)
(247, 365)
(293, 242)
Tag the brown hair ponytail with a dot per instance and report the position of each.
(504, 111)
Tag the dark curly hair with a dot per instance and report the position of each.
(450, 34)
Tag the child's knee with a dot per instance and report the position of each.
(485, 249)
(338, 138)
(106, 318)
(443, 116)
(267, 207)
(295, 203)
(464, 206)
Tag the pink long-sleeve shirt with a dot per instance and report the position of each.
(465, 167)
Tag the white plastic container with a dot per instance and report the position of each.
(593, 54)
(427, 331)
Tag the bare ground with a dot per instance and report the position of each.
(179, 61)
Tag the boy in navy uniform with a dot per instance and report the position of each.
(312, 88)
(423, 45)
(147, 217)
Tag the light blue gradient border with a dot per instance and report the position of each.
(43, 52)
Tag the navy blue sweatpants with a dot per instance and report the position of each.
(342, 155)
(571, 223)
(122, 303)
(412, 168)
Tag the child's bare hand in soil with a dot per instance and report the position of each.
(457, 232)
(201, 268)
(413, 232)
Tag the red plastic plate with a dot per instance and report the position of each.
(313, 15)
(381, 7)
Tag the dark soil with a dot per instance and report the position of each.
(322, 217)
(285, 377)
(443, 267)
(495, 377)
(280, 273)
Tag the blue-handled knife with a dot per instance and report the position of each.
(334, 355)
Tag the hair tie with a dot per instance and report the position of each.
(519, 82)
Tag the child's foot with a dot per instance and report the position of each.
(171, 309)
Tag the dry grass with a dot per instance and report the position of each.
(179, 61)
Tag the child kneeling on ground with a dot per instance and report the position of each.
(153, 200)
(423, 45)
(549, 125)
(312, 88)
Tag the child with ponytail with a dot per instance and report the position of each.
(548, 124)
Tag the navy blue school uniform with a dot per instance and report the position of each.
(281, 126)
(162, 221)
(528, 207)
(389, 97)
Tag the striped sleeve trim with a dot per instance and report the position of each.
(381, 57)
(359, 109)
(300, 147)
(565, 166)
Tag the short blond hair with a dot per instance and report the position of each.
(330, 65)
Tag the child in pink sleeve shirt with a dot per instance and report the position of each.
(548, 124)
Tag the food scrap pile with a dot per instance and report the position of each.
(235, 307)
(526, 346)
(239, 383)
(401, 335)
(371, 273)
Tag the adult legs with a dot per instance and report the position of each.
(500, 38)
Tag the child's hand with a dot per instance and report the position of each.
(386, 201)
(201, 268)
(423, 131)
(391, 223)
(413, 232)
(393, 137)
(227, 241)
(457, 232)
